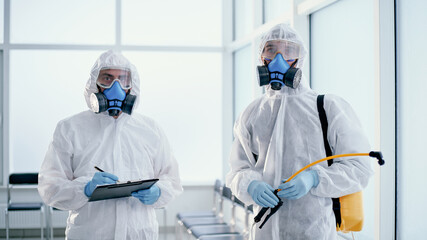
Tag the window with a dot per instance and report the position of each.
(171, 22)
(276, 8)
(44, 89)
(243, 18)
(243, 81)
(50, 60)
(1, 21)
(182, 92)
(62, 21)
(2, 117)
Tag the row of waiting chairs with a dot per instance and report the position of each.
(21, 179)
(210, 225)
(203, 225)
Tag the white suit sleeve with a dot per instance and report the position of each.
(57, 185)
(345, 135)
(166, 170)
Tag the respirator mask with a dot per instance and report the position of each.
(277, 72)
(114, 98)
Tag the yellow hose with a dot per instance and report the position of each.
(324, 159)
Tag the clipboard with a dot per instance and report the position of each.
(119, 190)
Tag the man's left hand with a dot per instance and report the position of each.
(299, 186)
(148, 196)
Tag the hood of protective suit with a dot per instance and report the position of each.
(284, 32)
(111, 59)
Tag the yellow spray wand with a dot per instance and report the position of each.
(377, 155)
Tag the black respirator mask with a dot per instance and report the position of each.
(278, 73)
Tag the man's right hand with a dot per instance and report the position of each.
(262, 194)
(99, 178)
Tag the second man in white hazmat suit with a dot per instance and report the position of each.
(279, 133)
(124, 144)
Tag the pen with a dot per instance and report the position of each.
(99, 169)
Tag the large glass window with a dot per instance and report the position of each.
(411, 88)
(63, 21)
(243, 18)
(182, 92)
(243, 82)
(171, 22)
(45, 87)
(275, 8)
(2, 118)
(342, 63)
(1, 21)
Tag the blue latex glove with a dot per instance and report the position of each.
(262, 194)
(148, 196)
(299, 186)
(99, 178)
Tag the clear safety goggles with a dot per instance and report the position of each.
(289, 50)
(108, 76)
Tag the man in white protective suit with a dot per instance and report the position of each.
(123, 145)
(280, 132)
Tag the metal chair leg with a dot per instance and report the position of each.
(51, 222)
(165, 223)
(6, 212)
(177, 231)
(41, 224)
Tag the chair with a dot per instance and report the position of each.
(248, 220)
(23, 179)
(221, 237)
(49, 222)
(213, 212)
(249, 214)
(225, 230)
(213, 230)
(214, 216)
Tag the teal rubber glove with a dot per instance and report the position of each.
(262, 194)
(148, 196)
(99, 178)
(299, 186)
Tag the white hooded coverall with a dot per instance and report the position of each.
(131, 147)
(278, 134)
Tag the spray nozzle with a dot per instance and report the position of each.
(378, 155)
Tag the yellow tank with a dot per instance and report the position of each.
(351, 213)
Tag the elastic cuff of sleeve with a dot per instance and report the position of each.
(318, 173)
(315, 178)
(87, 190)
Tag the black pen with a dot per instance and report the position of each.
(99, 169)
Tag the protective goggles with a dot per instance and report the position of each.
(108, 76)
(289, 50)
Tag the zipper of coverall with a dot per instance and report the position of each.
(115, 171)
(115, 146)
